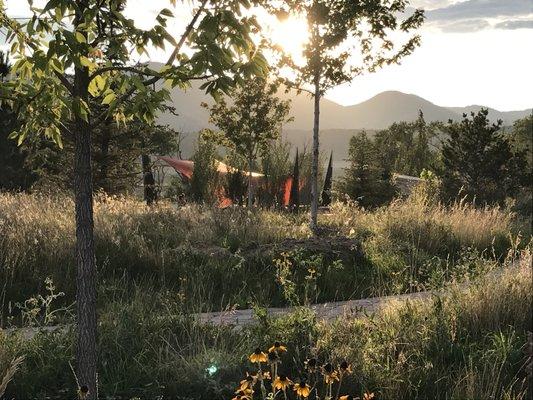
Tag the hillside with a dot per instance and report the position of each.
(338, 123)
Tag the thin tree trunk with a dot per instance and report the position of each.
(250, 192)
(86, 351)
(314, 168)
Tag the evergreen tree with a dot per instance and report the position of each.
(364, 180)
(326, 191)
(478, 161)
(295, 187)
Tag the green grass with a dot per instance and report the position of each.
(215, 257)
(469, 344)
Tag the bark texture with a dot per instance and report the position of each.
(314, 167)
(86, 351)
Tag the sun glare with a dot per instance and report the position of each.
(291, 34)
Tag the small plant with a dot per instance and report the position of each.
(38, 310)
(317, 381)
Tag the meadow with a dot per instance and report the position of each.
(158, 266)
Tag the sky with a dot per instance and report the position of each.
(473, 52)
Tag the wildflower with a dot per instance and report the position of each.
(83, 392)
(302, 389)
(273, 357)
(368, 396)
(345, 367)
(330, 374)
(348, 397)
(248, 382)
(278, 347)
(282, 382)
(311, 364)
(258, 356)
(261, 375)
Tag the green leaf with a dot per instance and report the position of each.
(80, 37)
(109, 98)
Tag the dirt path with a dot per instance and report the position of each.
(324, 312)
(240, 318)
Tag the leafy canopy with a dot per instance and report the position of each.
(348, 38)
(217, 45)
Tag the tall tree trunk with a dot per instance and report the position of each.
(250, 191)
(314, 168)
(86, 351)
(150, 194)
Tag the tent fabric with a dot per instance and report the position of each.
(186, 169)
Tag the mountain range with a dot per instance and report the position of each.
(337, 123)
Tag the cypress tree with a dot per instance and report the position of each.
(326, 192)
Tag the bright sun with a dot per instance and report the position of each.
(291, 34)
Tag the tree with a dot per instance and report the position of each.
(294, 201)
(15, 175)
(338, 29)
(70, 35)
(251, 122)
(478, 161)
(405, 147)
(521, 137)
(205, 178)
(117, 153)
(326, 191)
(364, 179)
(276, 167)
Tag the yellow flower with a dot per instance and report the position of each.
(258, 356)
(278, 347)
(330, 375)
(302, 389)
(282, 382)
(345, 368)
(348, 397)
(331, 378)
(248, 383)
(262, 375)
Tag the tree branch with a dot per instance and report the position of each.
(100, 118)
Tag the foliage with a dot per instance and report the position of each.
(116, 153)
(15, 175)
(205, 180)
(365, 181)
(339, 29)
(479, 163)
(466, 345)
(276, 166)
(405, 147)
(251, 122)
(225, 257)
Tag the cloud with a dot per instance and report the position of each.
(467, 25)
(476, 15)
(515, 24)
(481, 9)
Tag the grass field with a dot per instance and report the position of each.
(157, 266)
